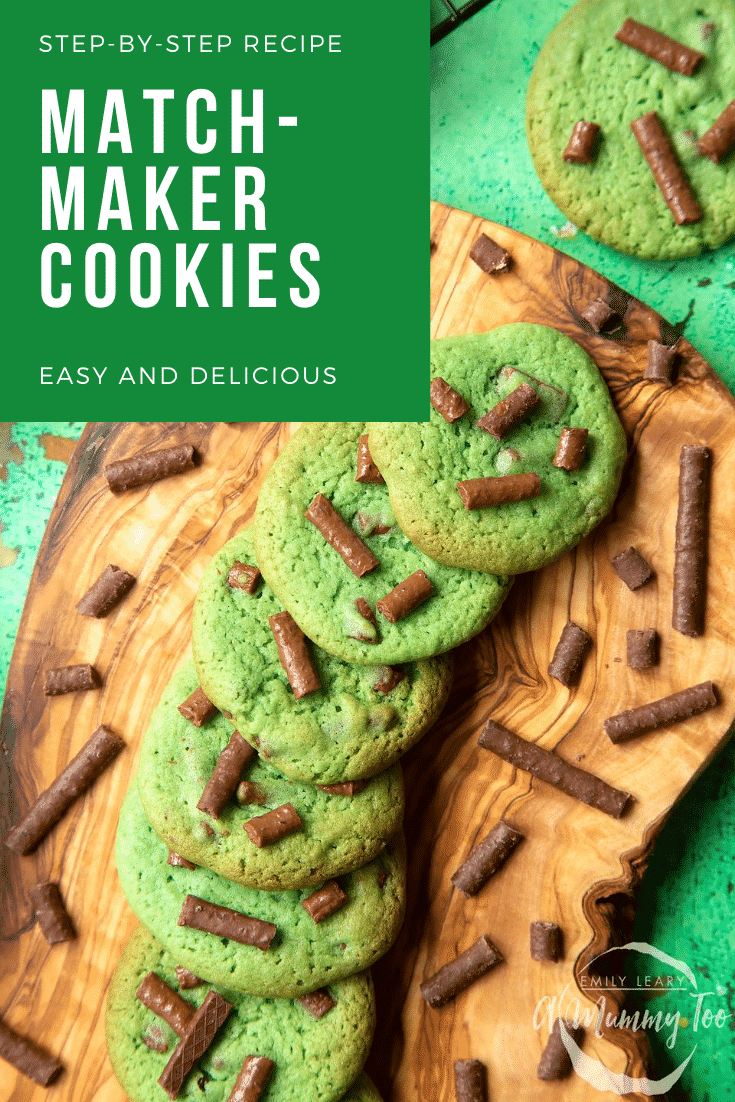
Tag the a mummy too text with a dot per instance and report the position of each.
(102, 273)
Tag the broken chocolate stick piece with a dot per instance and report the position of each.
(366, 613)
(659, 47)
(344, 788)
(601, 317)
(484, 493)
(553, 770)
(154, 1038)
(642, 648)
(147, 467)
(70, 679)
(388, 678)
(366, 469)
(447, 401)
(406, 597)
(489, 256)
(545, 941)
(317, 1003)
(456, 976)
(263, 830)
(27, 1058)
(156, 994)
(200, 914)
(553, 400)
(632, 568)
(178, 862)
(470, 1081)
(582, 143)
(53, 917)
(244, 576)
(690, 543)
(555, 1062)
(325, 901)
(666, 170)
(198, 708)
(294, 655)
(660, 362)
(486, 858)
(509, 412)
(571, 449)
(365, 610)
(720, 138)
(249, 793)
(661, 713)
(186, 979)
(109, 589)
(372, 525)
(226, 775)
(197, 1038)
(252, 1080)
(571, 650)
(79, 775)
(338, 534)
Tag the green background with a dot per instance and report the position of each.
(350, 179)
(480, 162)
(685, 905)
(368, 198)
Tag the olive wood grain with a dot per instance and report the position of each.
(575, 863)
(164, 534)
(577, 867)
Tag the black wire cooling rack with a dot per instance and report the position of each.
(448, 14)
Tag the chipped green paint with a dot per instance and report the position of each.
(8, 555)
(27, 492)
(9, 452)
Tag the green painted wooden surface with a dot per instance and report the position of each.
(686, 903)
(480, 163)
(29, 483)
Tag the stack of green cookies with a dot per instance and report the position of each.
(229, 910)
(261, 846)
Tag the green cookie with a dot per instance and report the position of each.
(315, 1060)
(583, 72)
(303, 955)
(340, 833)
(363, 1090)
(422, 462)
(345, 731)
(320, 590)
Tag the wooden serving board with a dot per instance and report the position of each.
(574, 861)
